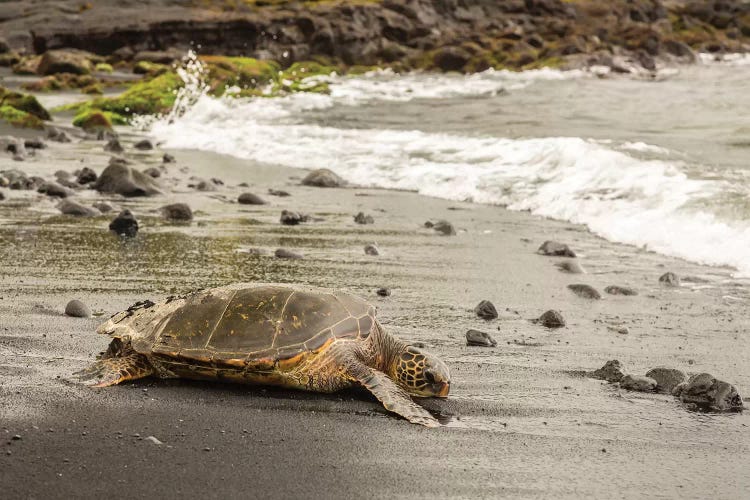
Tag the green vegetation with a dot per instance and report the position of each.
(94, 120)
(21, 110)
(104, 68)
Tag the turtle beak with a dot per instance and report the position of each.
(443, 390)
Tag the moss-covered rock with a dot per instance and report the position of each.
(62, 81)
(72, 61)
(23, 102)
(19, 118)
(150, 68)
(27, 65)
(93, 89)
(93, 120)
(245, 73)
(104, 68)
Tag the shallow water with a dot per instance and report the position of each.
(661, 164)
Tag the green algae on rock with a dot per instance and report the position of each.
(22, 110)
(94, 120)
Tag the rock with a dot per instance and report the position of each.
(283, 253)
(143, 145)
(552, 319)
(56, 135)
(611, 372)
(34, 143)
(372, 249)
(444, 227)
(622, 330)
(124, 180)
(152, 172)
(361, 218)
(113, 146)
(177, 211)
(204, 185)
(158, 56)
(77, 309)
(124, 224)
(383, 292)
(620, 290)
(554, 248)
(486, 310)
(323, 177)
(478, 338)
(571, 266)
(168, 158)
(669, 279)
(103, 206)
(638, 383)
(12, 144)
(153, 440)
(290, 218)
(278, 192)
(86, 175)
(2, 196)
(585, 291)
(72, 61)
(16, 437)
(666, 378)
(54, 189)
(250, 199)
(69, 207)
(707, 393)
(61, 175)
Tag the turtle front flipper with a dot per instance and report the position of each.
(119, 363)
(393, 397)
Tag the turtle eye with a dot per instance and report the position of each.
(429, 376)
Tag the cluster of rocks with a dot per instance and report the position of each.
(701, 391)
(471, 35)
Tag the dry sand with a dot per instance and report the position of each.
(520, 421)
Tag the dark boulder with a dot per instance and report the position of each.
(383, 292)
(372, 249)
(143, 145)
(124, 224)
(168, 158)
(444, 227)
(86, 175)
(71, 61)
(705, 392)
(114, 146)
(451, 58)
(124, 180)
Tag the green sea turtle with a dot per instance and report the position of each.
(298, 337)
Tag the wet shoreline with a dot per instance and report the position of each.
(519, 421)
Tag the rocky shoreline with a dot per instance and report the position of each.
(447, 35)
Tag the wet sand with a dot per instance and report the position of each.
(520, 420)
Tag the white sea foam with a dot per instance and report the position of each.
(648, 203)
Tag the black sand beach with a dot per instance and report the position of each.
(521, 420)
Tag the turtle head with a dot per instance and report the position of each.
(420, 373)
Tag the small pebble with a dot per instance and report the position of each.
(554, 248)
(372, 249)
(486, 310)
(278, 192)
(571, 266)
(552, 319)
(669, 279)
(612, 371)
(289, 218)
(143, 145)
(383, 292)
(168, 158)
(444, 227)
(585, 291)
(113, 146)
(361, 218)
(177, 211)
(77, 309)
(250, 199)
(283, 253)
(153, 440)
(479, 338)
(17, 437)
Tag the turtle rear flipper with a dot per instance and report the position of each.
(119, 363)
(394, 398)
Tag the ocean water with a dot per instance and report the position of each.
(662, 163)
